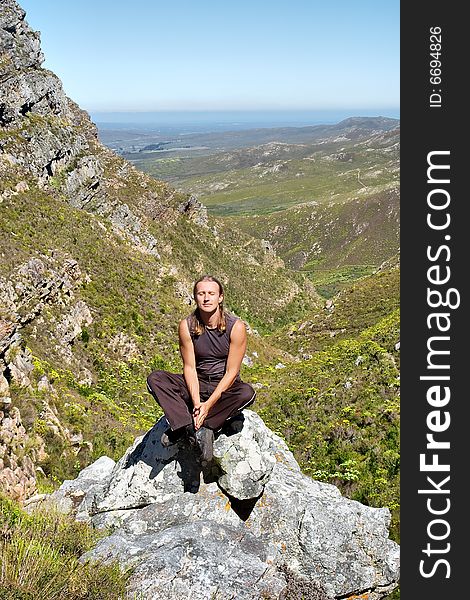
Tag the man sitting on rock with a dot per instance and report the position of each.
(210, 391)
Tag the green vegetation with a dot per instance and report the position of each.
(39, 558)
(339, 414)
(333, 243)
(357, 307)
(330, 208)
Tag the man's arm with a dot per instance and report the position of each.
(189, 362)
(234, 360)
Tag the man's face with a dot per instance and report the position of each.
(207, 296)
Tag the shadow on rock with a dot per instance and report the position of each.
(151, 452)
(242, 508)
(150, 472)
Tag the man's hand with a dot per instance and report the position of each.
(197, 405)
(200, 413)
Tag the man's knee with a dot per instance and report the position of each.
(154, 379)
(248, 394)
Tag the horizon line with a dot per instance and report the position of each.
(210, 110)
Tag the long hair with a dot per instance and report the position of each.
(196, 324)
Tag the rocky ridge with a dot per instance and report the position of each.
(17, 469)
(47, 136)
(39, 283)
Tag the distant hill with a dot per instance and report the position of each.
(353, 127)
(329, 208)
(223, 151)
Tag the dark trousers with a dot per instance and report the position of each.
(172, 394)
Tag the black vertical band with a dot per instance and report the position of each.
(434, 292)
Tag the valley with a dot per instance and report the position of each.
(325, 198)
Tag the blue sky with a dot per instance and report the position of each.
(150, 55)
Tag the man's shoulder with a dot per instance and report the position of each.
(233, 318)
(236, 324)
(183, 325)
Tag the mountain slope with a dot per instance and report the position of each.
(328, 206)
(333, 242)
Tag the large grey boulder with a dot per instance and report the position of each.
(76, 496)
(243, 460)
(184, 536)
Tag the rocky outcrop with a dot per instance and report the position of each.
(40, 282)
(37, 282)
(17, 470)
(186, 536)
(44, 134)
(194, 210)
(30, 95)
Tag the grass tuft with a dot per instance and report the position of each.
(39, 558)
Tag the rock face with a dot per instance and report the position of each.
(245, 458)
(45, 135)
(195, 210)
(28, 95)
(40, 283)
(17, 472)
(185, 536)
(37, 284)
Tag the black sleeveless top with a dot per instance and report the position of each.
(211, 349)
